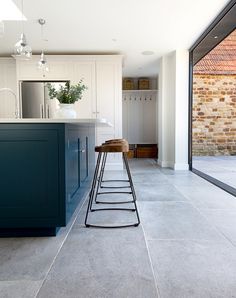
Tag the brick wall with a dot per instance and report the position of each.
(214, 114)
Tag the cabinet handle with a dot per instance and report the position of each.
(41, 110)
(97, 112)
(82, 150)
(94, 112)
(48, 112)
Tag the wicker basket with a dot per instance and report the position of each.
(143, 84)
(128, 84)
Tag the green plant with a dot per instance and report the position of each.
(67, 94)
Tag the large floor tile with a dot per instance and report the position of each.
(175, 220)
(208, 196)
(27, 258)
(156, 178)
(224, 220)
(19, 289)
(162, 192)
(101, 263)
(194, 269)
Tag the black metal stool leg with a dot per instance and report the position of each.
(132, 186)
(110, 187)
(91, 194)
(103, 169)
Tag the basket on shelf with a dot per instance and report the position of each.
(128, 84)
(143, 84)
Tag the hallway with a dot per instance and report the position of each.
(184, 247)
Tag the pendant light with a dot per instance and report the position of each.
(42, 64)
(22, 50)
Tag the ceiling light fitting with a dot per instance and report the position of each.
(146, 53)
(22, 50)
(42, 63)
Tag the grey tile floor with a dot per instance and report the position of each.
(185, 246)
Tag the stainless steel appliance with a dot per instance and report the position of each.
(35, 101)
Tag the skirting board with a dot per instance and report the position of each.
(165, 164)
(174, 166)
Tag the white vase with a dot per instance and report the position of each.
(66, 111)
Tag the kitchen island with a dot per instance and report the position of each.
(46, 167)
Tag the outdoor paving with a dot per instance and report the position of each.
(222, 168)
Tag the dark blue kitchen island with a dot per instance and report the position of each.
(45, 170)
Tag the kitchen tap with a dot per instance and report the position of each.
(16, 103)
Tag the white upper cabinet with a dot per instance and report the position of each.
(28, 70)
(86, 107)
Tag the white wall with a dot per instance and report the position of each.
(173, 111)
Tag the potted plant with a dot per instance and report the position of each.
(67, 95)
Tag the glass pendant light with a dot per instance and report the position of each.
(42, 63)
(22, 50)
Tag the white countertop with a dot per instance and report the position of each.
(98, 122)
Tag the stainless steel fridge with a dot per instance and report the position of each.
(35, 101)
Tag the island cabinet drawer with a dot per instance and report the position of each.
(29, 176)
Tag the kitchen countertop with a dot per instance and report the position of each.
(98, 122)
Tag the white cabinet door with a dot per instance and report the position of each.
(7, 80)
(86, 107)
(109, 102)
(28, 70)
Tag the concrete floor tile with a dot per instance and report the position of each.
(175, 220)
(208, 196)
(196, 269)
(19, 289)
(164, 192)
(224, 221)
(101, 263)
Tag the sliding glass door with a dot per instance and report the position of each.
(213, 106)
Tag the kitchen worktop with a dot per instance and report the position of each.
(98, 122)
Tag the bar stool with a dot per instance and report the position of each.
(111, 146)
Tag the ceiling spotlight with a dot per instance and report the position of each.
(147, 53)
(215, 36)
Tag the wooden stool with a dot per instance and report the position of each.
(111, 146)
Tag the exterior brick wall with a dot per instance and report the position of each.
(214, 114)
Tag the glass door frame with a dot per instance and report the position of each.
(204, 44)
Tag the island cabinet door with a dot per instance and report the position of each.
(29, 177)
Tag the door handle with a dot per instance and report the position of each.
(82, 150)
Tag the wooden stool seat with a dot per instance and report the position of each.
(116, 141)
(114, 147)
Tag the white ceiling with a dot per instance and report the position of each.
(127, 27)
